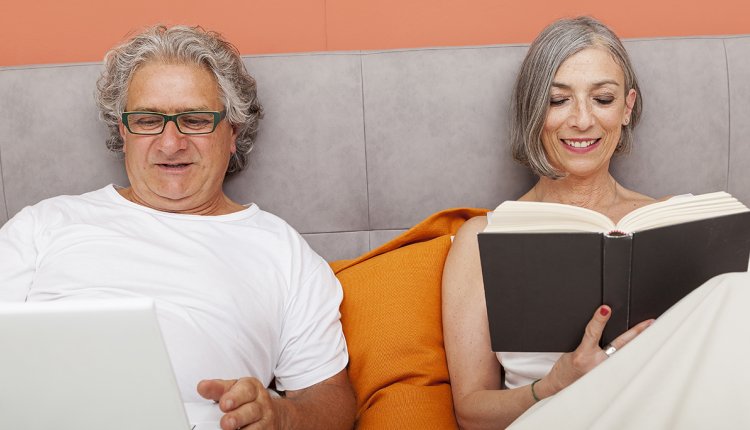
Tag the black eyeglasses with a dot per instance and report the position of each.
(151, 123)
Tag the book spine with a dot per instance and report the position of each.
(616, 265)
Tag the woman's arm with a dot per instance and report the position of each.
(474, 370)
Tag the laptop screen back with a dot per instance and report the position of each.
(86, 365)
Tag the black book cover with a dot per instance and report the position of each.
(543, 288)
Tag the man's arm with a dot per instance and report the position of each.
(18, 256)
(329, 404)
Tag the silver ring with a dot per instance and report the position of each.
(609, 349)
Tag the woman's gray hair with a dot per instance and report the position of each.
(555, 44)
(182, 45)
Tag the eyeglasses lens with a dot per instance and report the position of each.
(187, 123)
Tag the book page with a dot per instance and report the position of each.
(515, 216)
(540, 217)
(681, 209)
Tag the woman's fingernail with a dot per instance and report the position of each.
(604, 311)
(229, 404)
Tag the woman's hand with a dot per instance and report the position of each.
(573, 365)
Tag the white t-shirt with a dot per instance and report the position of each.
(523, 368)
(237, 295)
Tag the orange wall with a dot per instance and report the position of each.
(59, 31)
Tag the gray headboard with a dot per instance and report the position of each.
(356, 147)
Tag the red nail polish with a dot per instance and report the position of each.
(604, 311)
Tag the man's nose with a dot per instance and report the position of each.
(171, 140)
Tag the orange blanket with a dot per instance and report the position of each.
(391, 314)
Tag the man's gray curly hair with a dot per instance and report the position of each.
(182, 45)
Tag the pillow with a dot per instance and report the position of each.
(391, 315)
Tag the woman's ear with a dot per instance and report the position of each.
(629, 103)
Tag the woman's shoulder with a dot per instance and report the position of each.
(634, 200)
(630, 201)
(465, 241)
(472, 226)
(636, 196)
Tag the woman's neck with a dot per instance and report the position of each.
(600, 193)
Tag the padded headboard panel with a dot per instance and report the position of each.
(355, 147)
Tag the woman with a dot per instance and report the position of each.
(575, 104)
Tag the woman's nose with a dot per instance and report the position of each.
(581, 117)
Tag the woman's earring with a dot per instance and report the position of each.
(627, 121)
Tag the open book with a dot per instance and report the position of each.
(548, 266)
(515, 216)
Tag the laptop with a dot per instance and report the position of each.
(90, 365)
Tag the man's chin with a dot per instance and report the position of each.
(167, 199)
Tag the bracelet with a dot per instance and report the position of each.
(533, 393)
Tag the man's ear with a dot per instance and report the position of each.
(121, 127)
(235, 133)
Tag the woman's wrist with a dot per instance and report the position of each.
(533, 391)
(541, 389)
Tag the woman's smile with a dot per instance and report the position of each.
(580, 143)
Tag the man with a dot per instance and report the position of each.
(238, 291)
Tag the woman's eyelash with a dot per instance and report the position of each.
(557, 101)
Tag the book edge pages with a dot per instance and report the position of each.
(515, 216)
(680, 210)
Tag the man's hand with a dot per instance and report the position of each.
(244, 401)
(247, 404)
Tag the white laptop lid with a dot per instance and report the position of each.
(86, 365)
